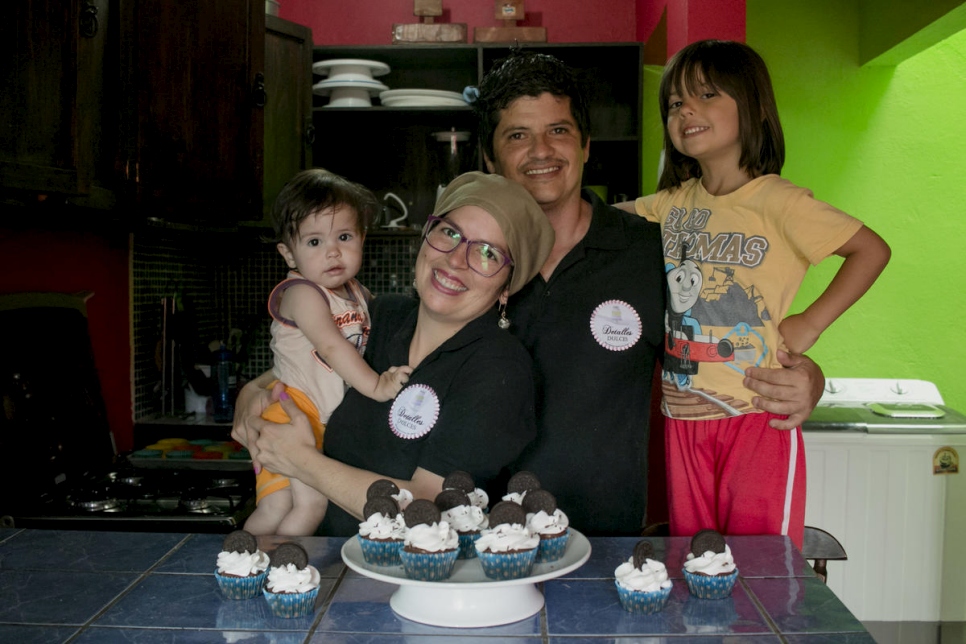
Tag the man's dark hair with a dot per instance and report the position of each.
(312, 191)
(527, 73)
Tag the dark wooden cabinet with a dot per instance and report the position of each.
(51, 63)
(196, 74)
(155, 109)
(395, 149)
(289, 130)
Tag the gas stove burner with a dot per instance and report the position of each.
(132, 480)
(196, 505)
(224, 482)
(94, 504)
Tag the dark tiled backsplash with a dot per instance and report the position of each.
(223, 283)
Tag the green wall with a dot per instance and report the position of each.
(888, 145)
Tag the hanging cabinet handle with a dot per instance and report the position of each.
(259, 96)
(88, 20)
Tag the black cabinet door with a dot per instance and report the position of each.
(51, 73)
(197, 74)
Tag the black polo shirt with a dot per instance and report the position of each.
(478, 385)
(593, 364)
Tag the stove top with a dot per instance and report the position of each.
(142, 499)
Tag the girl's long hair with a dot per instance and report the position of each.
(737, 70)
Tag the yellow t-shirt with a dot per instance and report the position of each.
(744, 257)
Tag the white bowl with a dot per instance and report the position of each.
(350, 97)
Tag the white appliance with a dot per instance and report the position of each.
(884, 478)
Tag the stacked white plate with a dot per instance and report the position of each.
(350, 81)
(421, 98)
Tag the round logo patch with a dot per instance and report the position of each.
(414, 412)
(615, 325)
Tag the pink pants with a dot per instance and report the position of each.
(735, 475)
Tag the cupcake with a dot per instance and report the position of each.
(464, 517)
(519, 484)
(242, 567)
(709, 569)
(431, 547)
(548, 522)
(292, 585)
(385, 487)
(463, 481)
(381, 534)
(507, 549)
(642, 582)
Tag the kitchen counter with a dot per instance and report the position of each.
(91, 587)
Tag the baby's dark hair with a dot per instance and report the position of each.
(737, 70)
(527, 73)
(312, 191)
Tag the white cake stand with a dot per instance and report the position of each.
(468, 599)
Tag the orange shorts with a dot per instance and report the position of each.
(268, 482)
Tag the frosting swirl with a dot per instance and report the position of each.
(378, 526)
(546, 524)
(466, 518)
(516, 497)
(242, 564)
(648, 578)
(432, 538)
(711, 563)
(507, 537)
(289, 579)
(403, 498)
(479, 498)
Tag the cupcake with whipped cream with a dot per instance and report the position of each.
(241, 567)
(519, 484)
(642, 582)
(457, 510)
(431, 546)
(292, 585)
(549, 522)
(709, 568)
(507, 549)
(463, 481)
(381, 535)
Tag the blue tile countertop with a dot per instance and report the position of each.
(92, 587)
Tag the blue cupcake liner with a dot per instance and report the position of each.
(500, 565)
(240, 587)
(468, 545)
(380, 553)
(428, 566)
(640, 602)
(553, 548)
(291, 604)
(710, 587)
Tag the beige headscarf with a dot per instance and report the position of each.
(529, 235)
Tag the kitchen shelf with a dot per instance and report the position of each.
(391, 149)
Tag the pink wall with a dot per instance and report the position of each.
(337, 22)
(70, 262)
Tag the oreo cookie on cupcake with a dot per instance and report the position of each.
(507, 549)
(241, 567)
(548, 522)
(293, 584)
(519, 484)
(709, 568)
(463, 481)
(642, 582)
(381, 534)
(458, 511)
(431, 546)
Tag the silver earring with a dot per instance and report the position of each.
(504, 323)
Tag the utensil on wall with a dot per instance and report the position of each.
(398, 222)
(451, 161)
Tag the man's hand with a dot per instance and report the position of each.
(793, 391)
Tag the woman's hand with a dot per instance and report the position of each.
(793, 391)
(252, 401)
(281, 447)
